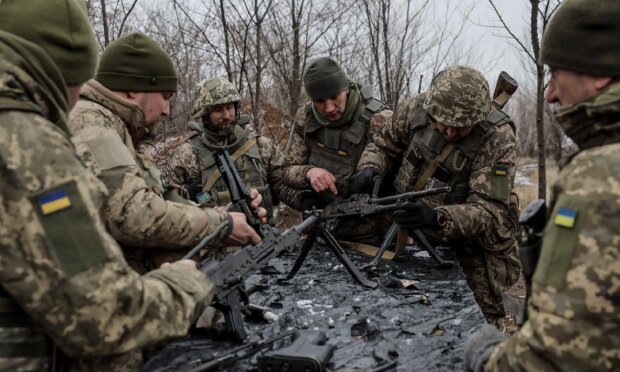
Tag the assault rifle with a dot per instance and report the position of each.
(504, 89)
(355, 205)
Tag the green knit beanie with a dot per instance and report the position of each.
(61, 28)
(136, 63)
(324, 78)
(584, 36)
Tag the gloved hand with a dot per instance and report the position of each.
(363, 181)
(417, 215)
(307, 202)
(480, 344)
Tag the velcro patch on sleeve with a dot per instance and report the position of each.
(565, 217)
(110, 152)
(500, 170)
(75, 242)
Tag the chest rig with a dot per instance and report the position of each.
(430, 161)
(246, 155)
(339, 149)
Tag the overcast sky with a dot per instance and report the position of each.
(496, 51)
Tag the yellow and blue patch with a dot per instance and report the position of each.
(566, 217)
(500, 170)
(54, 202)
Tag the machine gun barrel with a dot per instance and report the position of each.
(410, 195)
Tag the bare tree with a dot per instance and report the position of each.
(540, 14)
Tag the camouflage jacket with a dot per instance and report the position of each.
(574, 311)
(297, 162)
(185, 167)
(484, 209)
(106, 131)
(57, 263)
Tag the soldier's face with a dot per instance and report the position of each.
(453, 134)
(222, 117)
(155, 105)
(568, 88)
(332, 107)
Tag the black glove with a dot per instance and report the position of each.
(417, 215)
(307, 203)
(480, 344)
(363, 181)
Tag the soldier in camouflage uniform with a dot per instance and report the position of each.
(330, 134)
(129, 95)
(449, 137)
(216, 106)
(574, 310)
(64, 285)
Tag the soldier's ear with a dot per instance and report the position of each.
(601, 83)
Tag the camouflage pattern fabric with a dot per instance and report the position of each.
(483, 222)
(107, 130)
(81, 293)
(296, 164)
(212, 92)
(575, 305)
(184, 164)
(458, 97)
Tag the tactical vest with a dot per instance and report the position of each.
(246, 156)
(455, 170)
(339, 149)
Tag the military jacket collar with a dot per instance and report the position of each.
(129, 112)
(594, 122)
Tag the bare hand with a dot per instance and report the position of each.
(321, 180)
(241, 233)
(256, 198)
(186, 262)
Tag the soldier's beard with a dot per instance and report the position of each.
(223, 128)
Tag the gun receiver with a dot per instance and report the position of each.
(505, 87)
(239, 194)
(229, 275)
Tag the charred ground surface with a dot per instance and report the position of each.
(418, 317)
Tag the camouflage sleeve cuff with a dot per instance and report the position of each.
(219, 216)
(464, 221)
(187, 282)
(295, 175)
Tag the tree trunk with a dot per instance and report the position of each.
(229, 71)
(540, 101)
(104, 20)
(295, 84)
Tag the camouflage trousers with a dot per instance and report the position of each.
(489, 275)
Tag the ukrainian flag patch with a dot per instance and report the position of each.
(566, 217)
(54, 202)
(500, 170)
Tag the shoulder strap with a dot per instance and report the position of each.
(236, 155)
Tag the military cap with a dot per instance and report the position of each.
(136, 63)
(593, 25)
(324, 78)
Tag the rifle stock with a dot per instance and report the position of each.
(505, 87)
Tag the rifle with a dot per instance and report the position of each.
(239, 194)
(504, 89)
(242, 352)
(355, 205)
(533, 220)
(229, 275)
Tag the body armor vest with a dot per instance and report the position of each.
(339, 149)
(248, 163)
(455, 170)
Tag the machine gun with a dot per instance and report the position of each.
(229, 275)
(355, 205)
(308, 353)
